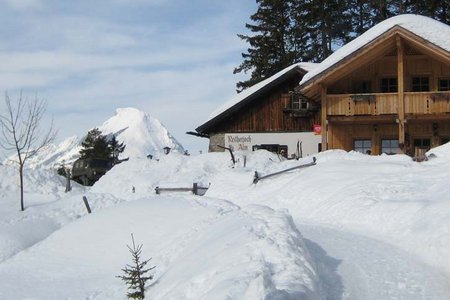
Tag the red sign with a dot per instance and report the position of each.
(317, 129)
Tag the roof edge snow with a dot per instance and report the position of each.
(427, 28)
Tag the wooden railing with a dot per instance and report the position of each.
(427, 102)
(387, 103)
(362, 104)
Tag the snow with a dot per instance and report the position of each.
(142, 133)
(202, 248)
(351, 227)
(139, 131)
(425, 27)
(307, 66)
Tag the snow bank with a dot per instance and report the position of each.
(201, 250)
(390, 198)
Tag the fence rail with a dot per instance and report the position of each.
(195, 189)
(257, 177)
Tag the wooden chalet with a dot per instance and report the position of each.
(267, 115)
(387, 91)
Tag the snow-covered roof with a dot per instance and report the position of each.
(429, 29)
(307, 66)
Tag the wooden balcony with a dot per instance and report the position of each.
(387, 103)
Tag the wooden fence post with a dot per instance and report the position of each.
(195, 188)
(86, 203)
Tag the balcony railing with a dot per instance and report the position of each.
(387, 103)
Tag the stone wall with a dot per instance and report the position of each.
(216, 139)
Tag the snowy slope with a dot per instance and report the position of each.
(376, 227)
(203, 248)
(141, 133)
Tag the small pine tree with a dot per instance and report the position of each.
(135, 274)
(94, 145)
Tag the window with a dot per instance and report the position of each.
(275, 148)
(363, 146)
(422, 143)
(420, 84)
(421, 146)
(388, 85)
(389, 146)
(298, 102)
(295, 101)
(444, 84)
(362, 87)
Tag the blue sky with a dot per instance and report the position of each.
(171, 58)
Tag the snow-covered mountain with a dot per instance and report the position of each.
(140, 132)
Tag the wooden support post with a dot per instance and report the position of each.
(86, 203)
(323, 98)
(195, 188)
(68, 185)
(231, 153)
(401, 94)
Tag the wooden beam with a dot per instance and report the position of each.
(323, 100)
(383, 119)
(401, 93)
(425, 46)
(382, 44)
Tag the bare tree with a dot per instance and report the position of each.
(21, 132)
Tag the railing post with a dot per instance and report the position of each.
(86, 203)
(195, 188)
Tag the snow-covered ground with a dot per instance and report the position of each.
(351, 227)
(203, 248)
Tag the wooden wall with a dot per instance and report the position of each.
(416, 64)
(266, 114)
(342, 136)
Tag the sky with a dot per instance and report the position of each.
(173, 59)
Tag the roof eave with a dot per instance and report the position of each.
(397, 29)
(204, 127)
(348, 58)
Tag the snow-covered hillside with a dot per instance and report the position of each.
(202, 248)
(351, 227)
(141, 133)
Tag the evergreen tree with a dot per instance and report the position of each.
(289, 31)
(328, 25)
(99, 146)
(361, 15)
(95, 145)
(436, 9)
(135, 274)
(271, 46)
(115, 149)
